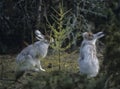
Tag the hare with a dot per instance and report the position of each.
(29, 57)
(88, 61)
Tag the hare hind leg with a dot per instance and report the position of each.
(39, 65)
(32, 64)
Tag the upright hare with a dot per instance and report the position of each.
(88, 61)
(29, 57)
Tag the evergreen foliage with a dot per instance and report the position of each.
(62, 29)
(19, 19)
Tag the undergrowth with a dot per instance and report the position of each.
(66, 78)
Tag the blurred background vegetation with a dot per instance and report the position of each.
(20, 18)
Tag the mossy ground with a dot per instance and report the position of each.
(68, 77)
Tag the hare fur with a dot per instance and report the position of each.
(88, 61)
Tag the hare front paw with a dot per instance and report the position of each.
(42, 69)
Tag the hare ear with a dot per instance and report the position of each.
(39, 35)
(99, 35)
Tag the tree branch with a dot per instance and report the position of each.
(93, 13)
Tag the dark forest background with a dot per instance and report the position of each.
(20, 18)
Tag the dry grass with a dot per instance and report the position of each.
(66, 78)
(50, 63)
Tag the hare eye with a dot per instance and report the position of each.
(90, 36)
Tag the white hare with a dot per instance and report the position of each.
(88, 61)
(29, 57)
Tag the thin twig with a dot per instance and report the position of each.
(5, 79)
(94, 13)
(106, 82)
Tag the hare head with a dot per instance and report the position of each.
(44, 38)
(90, 36)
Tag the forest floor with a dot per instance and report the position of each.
(67, 77)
